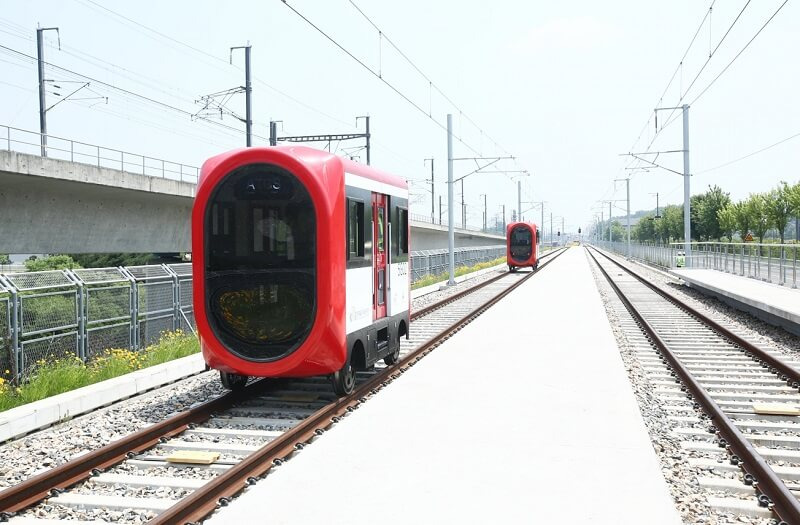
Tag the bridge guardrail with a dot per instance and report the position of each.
(437, 221)
(26, 141)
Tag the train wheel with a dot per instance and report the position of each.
(233, 382)
(344, 380)
(394, 357)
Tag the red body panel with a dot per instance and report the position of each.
(530, 261)
(324, 349)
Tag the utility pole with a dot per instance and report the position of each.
(628, 199)
(609, 221)
(367, 136)
(440, 210)
(450, 233)
(563, 233)
(687, 223)
(273, 132)
(248, 91)
(658, 215)
(433, 195)
(687, 212)
(551, 228)
(42, 103)
(602, 221)
(540, 242)
(519, 198)
(504, 218)
(484, 212)
(463, 208)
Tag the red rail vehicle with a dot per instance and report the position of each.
(521, 238)
(301, 265)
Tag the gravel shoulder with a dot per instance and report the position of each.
(50, 447)
(742, 323)
(681, 476)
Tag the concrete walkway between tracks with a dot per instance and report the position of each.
(524, 416)
(772, 303)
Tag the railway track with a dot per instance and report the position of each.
(745, 441)
(130, 480)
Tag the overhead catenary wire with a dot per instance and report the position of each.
(126, 91)
(670, 119)
(431, 83)
(674, 73)
(740, 51)
(219, 61)
(751, 154)
(223, 65)
(377, 75)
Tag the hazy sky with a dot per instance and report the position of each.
(565, 87)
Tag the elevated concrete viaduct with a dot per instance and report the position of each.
(56, 206)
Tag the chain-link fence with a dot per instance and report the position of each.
(435, 262)
(81, 313)
(6, 365)
(62, 313)
(108, 296)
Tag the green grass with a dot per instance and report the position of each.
(55, 377)
(461, 270)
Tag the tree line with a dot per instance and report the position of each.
(714, 217)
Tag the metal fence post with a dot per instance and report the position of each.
(176, 298)
(15, 327)
(134, 307)
(741, 260)
(769, 264)
(14, 352)
(80, 298)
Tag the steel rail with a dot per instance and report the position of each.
(456, 296)
(38, 487)
(781, 500)
(792, 375)
(218, 491)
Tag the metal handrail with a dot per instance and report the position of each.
(149, 166)
(767, 244)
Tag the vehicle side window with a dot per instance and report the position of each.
(380, 228)
(402, 230)
(355, 229)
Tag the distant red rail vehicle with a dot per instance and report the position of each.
(301, 265)
(521, 240)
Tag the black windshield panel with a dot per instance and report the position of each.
(260, 236)
(521, 243)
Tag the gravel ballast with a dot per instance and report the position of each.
(48, 448)
(681, 476)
